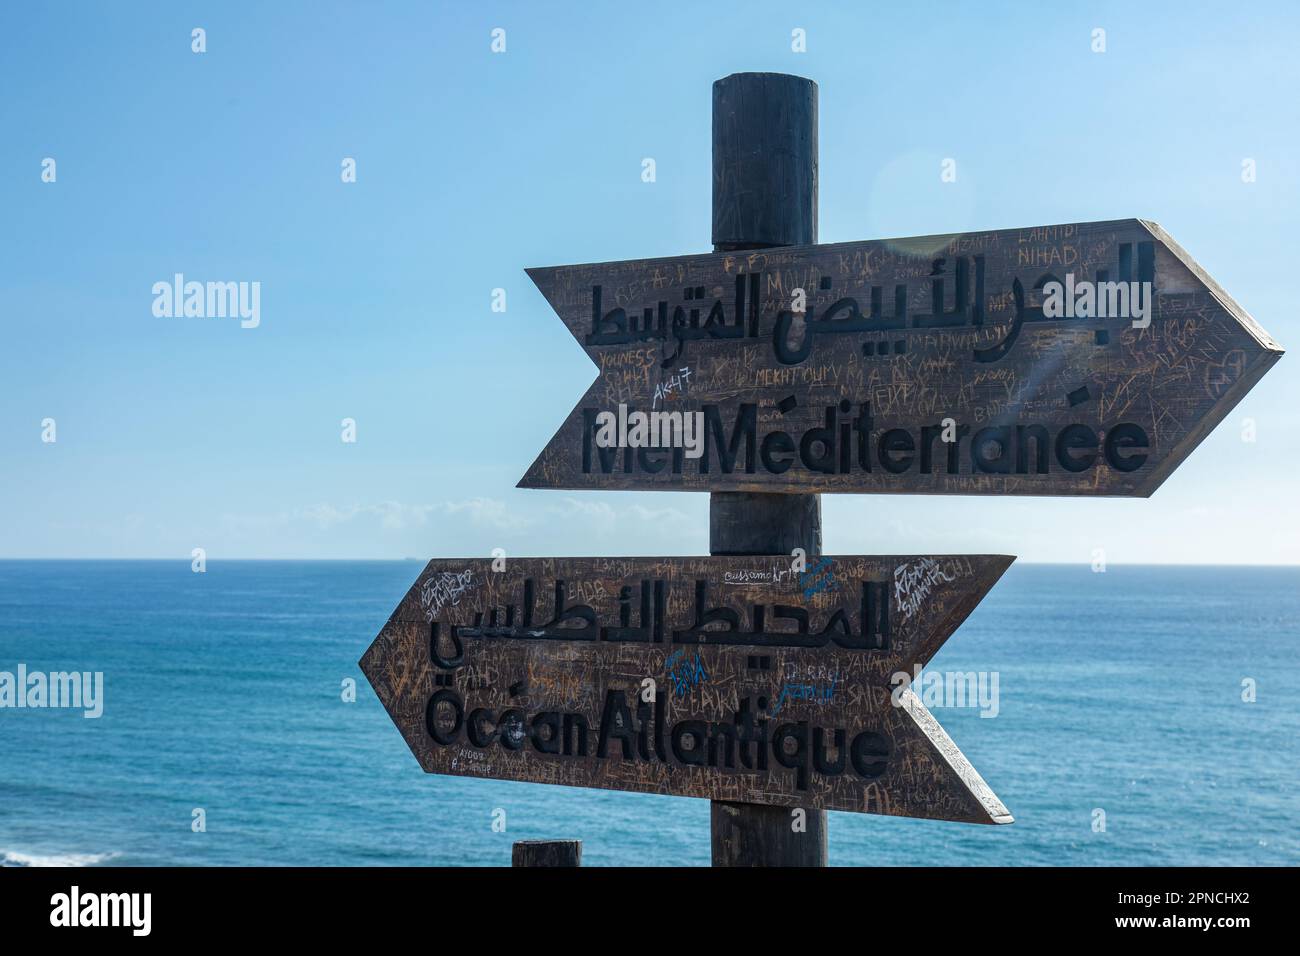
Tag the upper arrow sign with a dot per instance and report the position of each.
(1057, 360)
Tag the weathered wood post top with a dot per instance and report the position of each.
(764, 161)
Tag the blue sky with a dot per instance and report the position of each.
(177, 433)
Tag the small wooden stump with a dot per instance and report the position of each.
(546, 853)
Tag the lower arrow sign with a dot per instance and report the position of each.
(731, 678)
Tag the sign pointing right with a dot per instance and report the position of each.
(1078, 359)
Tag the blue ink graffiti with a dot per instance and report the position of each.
(684, 673)
(820, 577)
(792, 690)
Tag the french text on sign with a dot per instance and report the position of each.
(672, 675)
(831, 368)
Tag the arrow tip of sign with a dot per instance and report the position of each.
(998, 565)
(537, 274)
(534, 477)
(987, 807)
(1265, 341)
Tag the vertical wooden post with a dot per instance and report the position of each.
(764, 194)
(546, 853)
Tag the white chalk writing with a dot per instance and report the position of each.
(446, 587)
(914, 582)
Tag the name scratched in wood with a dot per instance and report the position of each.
(729, 678)
(1080, 359)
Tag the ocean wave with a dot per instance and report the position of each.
(19, 858)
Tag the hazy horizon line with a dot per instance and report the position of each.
(533, 557)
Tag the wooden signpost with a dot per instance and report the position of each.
(1078, 359)
(738, 679)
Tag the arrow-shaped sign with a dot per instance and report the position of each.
(736, 678)
(1084, 359)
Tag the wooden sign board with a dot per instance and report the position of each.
(736, 678)
(1079, 359)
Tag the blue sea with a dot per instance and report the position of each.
(1118, 691)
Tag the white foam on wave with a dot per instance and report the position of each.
(19, 858)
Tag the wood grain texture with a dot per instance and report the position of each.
(897, 336)
(750, 704)
(745, 522)
(764, 161)
(752, 834)
(546, 853)
(764, 194)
